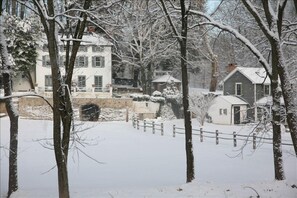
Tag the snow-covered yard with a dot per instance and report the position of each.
(138, 164)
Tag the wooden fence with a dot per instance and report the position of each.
(154, 126)
(217, 135)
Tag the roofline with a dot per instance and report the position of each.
(245, 103)
(237, 69)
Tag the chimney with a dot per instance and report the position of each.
(230, 67)
(91, 28)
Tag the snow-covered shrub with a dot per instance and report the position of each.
(22, 38)
(140, 97)
(157, 94)
(174, 97)
(157, 99)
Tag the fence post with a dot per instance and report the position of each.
(254, 140)
(153, 127)
(162, 129)
(144, 125)
(174, 130)
(137, 121)
(234, 139)
(217, 137)
(201, 135)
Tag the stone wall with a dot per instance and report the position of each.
(29, 106)
(115, 103)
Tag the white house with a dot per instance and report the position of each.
(228, 110)
(92, 75)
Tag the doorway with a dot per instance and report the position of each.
(237, 115)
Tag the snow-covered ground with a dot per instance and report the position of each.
(137, 164)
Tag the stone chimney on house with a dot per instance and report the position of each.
(231, 67)
(91, 28)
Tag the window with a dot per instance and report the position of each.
(266, 90)
(81, 83)
(83, 48)
(98, 61)
(46, 61)
(238, 89)
(97, 48)
(225, 111)
(98, 83)
(48, 83)
(81, 61)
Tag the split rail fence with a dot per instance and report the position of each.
(217, 135)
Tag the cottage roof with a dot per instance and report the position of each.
(233, 100)
(166, 78)
(255, 74)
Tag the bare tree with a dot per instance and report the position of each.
(199, 105)
(182, 40)
(141, 40)
(50, 14)
(6, 68)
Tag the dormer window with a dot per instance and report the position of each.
(97, 48)
(83, 48)
(238, 89)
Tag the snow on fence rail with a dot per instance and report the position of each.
(207, 134)
(154, 126)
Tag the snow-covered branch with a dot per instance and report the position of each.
(240, 37)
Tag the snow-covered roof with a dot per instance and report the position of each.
(256, 75)
(87, 39)
(94, 39)
(167, 78)
(233, 100)
(267, 100)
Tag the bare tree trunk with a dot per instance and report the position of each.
(182, 39)
(12, 113)
(214, 75)
(29, 78)
(288, 94)
(13, 147)
(276, 124)
(62, 105)
(214, 63)
(185, 89)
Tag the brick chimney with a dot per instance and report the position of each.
(91, 28)
(230, 67)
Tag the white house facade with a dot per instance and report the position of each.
(92, 75)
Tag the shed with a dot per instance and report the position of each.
(228, 110)
(161, 83)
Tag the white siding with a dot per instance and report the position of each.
(214, 111)
(222, 110)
